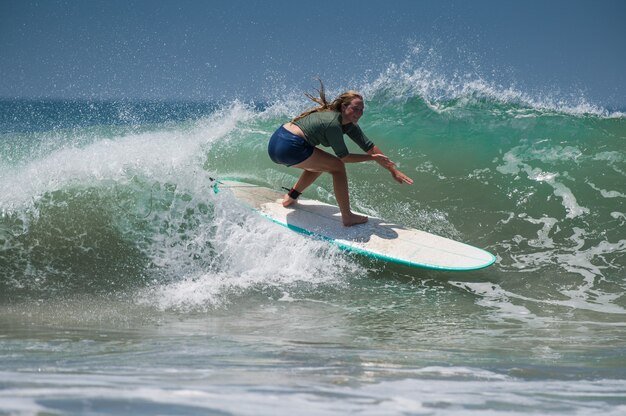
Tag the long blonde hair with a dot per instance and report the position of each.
(324, 105)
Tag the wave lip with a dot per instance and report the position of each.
(423, 75)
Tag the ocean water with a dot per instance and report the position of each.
(127, 286)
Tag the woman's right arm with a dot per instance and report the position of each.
(385, 162)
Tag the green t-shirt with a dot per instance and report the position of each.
(325, 128)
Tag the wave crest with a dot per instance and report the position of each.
(423, 75)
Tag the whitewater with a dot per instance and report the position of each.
(127, 285)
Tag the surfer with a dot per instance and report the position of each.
(295, 144)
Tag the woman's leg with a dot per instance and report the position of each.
(306, 179)
(314, 166)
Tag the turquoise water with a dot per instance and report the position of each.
(127, 286)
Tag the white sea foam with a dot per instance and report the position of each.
(472, 394)
(516, 161)
(507, 305)
(543, 239)
(423, 74)
(502, 302)
(619, 216)
(161, 155)
(247, 252)
(574, 255)
(607, 194)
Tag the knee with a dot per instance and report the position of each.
(338, 167)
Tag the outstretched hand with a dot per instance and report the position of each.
(401, 177)
(388, 164)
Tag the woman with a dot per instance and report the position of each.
(294, 144)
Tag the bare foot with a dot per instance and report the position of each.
(287, 200)
(354, 219)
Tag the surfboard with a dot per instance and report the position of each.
(377, 238)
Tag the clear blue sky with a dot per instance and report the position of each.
(214, 49)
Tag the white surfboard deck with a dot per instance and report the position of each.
(377, 238)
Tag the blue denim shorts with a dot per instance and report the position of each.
(286, 148)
